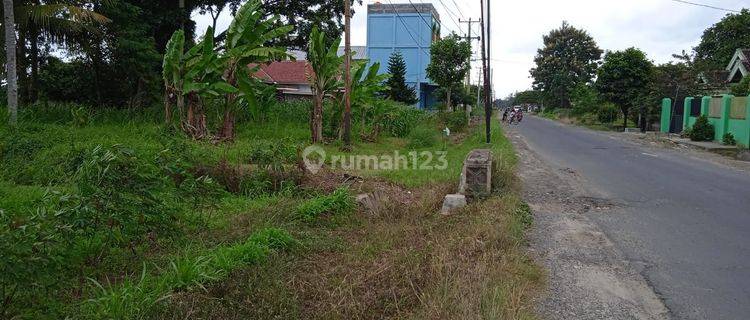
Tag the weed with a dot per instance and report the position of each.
(337, 203)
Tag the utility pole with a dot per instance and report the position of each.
(468, 37)
(347, 127)
(485, 73)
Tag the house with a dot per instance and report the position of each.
(289, 77)
(739, 66)
(410, 29)
(720, 81)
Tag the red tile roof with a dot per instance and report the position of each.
(284, 72)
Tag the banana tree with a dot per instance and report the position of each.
(365, 87)
(245, 44)
(366, 83)
(194, 75)
(173, 73)
(325, 78)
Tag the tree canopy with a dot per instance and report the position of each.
(568, 57)
(398, 90)
(720, 41)
(624, 78)
(449, 63)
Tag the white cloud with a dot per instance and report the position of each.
(659, 27)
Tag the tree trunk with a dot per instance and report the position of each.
(227, 127)
(625, 121)
(34, 61)
(347, 119)
(10, 66)
(448, 100)
(167, 106)
(21, 63)
(316, 122)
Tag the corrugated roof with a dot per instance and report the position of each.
(360, 52)
(284, 72)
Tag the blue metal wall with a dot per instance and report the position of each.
(409, 34)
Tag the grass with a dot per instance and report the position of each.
(137, 299)
(298, 252)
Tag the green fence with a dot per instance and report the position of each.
(728, 114)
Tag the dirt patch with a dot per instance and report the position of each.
(327, 181)
(588, 277)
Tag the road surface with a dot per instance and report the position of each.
(686, 221)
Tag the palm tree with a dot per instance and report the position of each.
(10, 65)
(60, 21)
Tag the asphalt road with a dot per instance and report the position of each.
(684, 221)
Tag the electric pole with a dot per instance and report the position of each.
(485, 72)
(347, 127)
(468, 37)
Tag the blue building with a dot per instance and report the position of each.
(410, 29)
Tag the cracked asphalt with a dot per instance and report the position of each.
(631, 231)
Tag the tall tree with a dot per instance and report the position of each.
(569, 57)
(398, 90)
(720, 41)
(449, 63)
(10, 61)
(324, 78)
(624, 78)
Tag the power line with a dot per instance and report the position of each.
(407, 27)
(706, 6)
(421, 17)
(451, 15)
(458, 8)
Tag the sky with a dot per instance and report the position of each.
(658, 27)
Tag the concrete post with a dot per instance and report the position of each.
(687, 106)
(705, 103)
(726, 104)
(666, 114)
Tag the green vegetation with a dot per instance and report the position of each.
(118, 217)
(397, 88)
(338, 202)
(702, 130)
(449, 63)
(623, 77)
(728, 139)
(567, 59)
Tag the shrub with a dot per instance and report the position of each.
(118, 195)
(607, 113)
(338, 202)
(422, 137)
(702, 130)
(456, 120)
(396, 119)
(584, 100)
(742, 88)
(728, 139)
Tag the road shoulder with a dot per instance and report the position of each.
(588, 278)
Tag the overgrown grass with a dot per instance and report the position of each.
(136, 299)
(140, 222)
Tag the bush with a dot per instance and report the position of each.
(584, 100)
(702, 130)
(422, 137)
(607, 113)
(742, 88)
(456, 120)
(395, 119)
(338, 202)
(728, 139)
